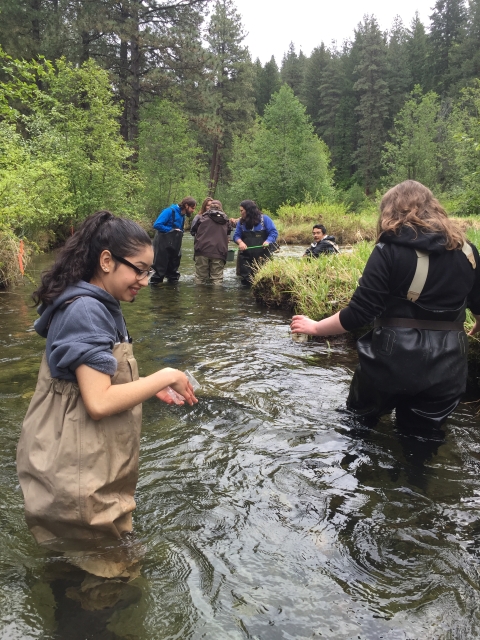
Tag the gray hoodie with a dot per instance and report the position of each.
(83, 331)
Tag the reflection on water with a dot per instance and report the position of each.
(265, 511)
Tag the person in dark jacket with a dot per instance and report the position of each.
(211, 231)
(416, 285)
(322, 243)
(168, 240)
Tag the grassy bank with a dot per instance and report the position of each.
(315, 288)
(294, 223)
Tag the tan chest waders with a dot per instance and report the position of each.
(78, 475)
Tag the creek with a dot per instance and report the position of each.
(265, 511)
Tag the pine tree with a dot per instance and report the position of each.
(314, 69)
(465, 57)
(372, 89)
(293, 69)
(417, 54)
(413, 152)
(230, 86)
(447, 28)
(283, 160)
(148, 46)
(267, 83)
(399, 75)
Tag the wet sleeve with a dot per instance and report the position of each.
(369, 300)
(473, 300)
(272, 230)
(85, 333)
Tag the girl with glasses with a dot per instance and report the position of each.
(78, 453)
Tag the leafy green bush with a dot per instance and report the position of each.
(70, 159)
(465, 125)
(167, 159)
(355, 199)
(33, 190)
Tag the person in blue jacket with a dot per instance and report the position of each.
(255, 235)
(168, 240)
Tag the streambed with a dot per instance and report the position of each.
(264, 511)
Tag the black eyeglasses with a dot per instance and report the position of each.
(140, 273)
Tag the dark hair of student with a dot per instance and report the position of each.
(321, 227)
(79, 257)
(253, 213)
(188, 202)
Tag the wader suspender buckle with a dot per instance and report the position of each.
(421, 272)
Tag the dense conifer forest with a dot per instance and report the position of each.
(133, 104)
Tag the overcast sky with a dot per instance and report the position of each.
(273, 24)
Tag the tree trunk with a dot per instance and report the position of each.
(85, 52)
(123, 88)
(214, 169)
(135, 67)
(36, 6)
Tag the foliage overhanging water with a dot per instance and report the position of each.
(265, 511)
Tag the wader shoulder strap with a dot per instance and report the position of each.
(421, 271)
(420, 277)
(467, 250)
(334, 245)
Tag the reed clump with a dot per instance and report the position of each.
(13, 253)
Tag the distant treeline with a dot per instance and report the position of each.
(134, 104)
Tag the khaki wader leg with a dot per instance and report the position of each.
(217, 266)
(201, 270)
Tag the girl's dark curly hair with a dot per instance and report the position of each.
(253, 213)
(79, 257)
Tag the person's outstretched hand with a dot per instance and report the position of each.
(302, 324)
(476, 327)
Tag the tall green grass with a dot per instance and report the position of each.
(295, 222)
(314, 287)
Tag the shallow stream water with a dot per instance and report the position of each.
(264, 511)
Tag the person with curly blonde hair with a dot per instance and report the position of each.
(415, 288)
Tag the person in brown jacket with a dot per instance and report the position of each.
(211, 231)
